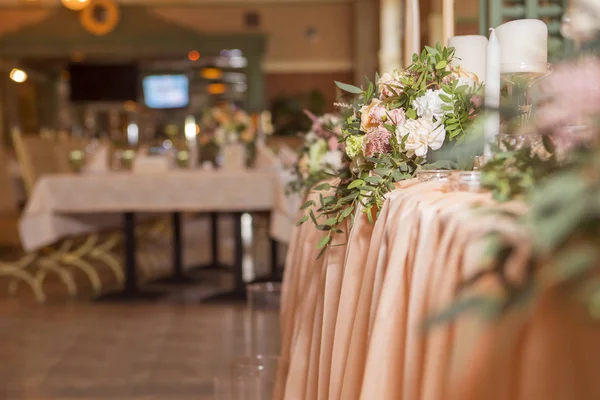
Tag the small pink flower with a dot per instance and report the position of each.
(333, 143)
(397, 116)
(377, 141)
(477, 101)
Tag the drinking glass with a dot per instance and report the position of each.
(251, 378)
(263, 308)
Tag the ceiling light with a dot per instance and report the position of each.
(211, 73)
(18, 75)
(76, 5)
(216, 88)
(193, 55)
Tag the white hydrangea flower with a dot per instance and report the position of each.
(423, 134)
(430, 105)
(310, 137)
(332, 161)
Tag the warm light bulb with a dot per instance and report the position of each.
(193, 55)
(211, 73)
(216, 88)
(190, 128)
(76, 5)
(18, 75)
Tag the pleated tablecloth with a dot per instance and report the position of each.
(353, 321)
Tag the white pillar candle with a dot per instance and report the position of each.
(448, 20)
(390, 56)
(492, 93)
(471, 54)
(523, 45)
(413, 30)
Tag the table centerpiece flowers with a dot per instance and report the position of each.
(397, 126)
(227, 125)
(320, 156)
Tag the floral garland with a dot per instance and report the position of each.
(395, 128)
(320, 156)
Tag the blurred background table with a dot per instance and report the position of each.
(67, 205)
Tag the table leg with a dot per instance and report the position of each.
(130, 289)
(240, 286)
(214, 264)
(130, 257)
(178, 277)
(274, 260)
(239, 291)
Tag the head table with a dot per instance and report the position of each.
(69, 204)
(353, 321)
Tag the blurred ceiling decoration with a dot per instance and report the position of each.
(101, 17)
(76, 5)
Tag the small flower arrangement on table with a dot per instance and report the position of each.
(320, 156)
(227, 124)
(396, 127)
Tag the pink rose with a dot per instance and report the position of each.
(333, 143)
(377, 141)
(397, 116)
(477, 101)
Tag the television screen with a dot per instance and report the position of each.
(166, 91)
(104, 82)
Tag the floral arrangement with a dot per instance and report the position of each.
(320, 156)
(396, 127)
(563, 221)
(226, 124)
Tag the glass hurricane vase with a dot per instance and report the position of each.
(518, 81)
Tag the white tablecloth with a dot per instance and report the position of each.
(65, 205)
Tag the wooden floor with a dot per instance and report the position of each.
(169, 349)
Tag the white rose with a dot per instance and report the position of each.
(430, 105)
(423, 134)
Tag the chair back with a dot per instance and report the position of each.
(8, 201)
(37, 158)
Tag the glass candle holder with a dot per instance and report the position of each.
(518, 80)
(468, 181)
(439, 175)
(76, 160)
(183, 159)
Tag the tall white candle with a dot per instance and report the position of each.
(413, 38)
(390, 57)
(448, 20)
(523, 46)
(492, 92)
(471, 53)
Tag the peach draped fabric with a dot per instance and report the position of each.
(353, 321)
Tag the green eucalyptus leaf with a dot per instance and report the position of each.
(356, 183)
(302, 220)
(323, 186)
(349, 88)
(324, 242)
(309, 203)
